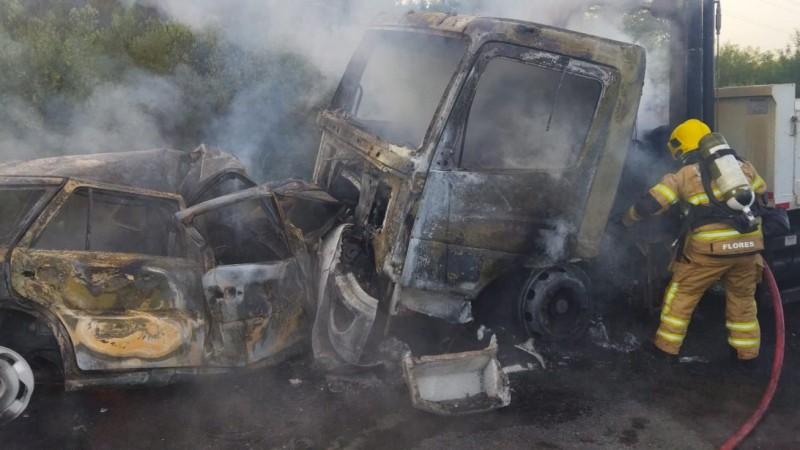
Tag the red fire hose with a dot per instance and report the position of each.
(777, 364)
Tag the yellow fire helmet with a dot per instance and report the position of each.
(686, 137)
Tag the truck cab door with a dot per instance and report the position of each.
(111, 265)
(511, 176)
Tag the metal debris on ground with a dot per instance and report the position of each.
(528, 347)
(457, 383)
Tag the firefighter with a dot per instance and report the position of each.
(716, 241)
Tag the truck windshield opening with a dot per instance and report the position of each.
(396, 81)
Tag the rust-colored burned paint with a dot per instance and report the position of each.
(138, 334)
(287, 327)
(257, 310)
(134, 339)
(100, 281)
(120, 310)
(287, 333)
(256, 329)
(385, 235)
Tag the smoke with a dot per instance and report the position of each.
(145, 110)
(302, 46)
(600, 18)
(325, 32)
(128, 115)
(553, 241)
(269, 122)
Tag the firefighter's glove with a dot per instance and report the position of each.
(626, 222)
(630, 218)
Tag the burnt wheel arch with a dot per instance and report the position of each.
(33, 338)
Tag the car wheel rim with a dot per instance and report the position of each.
(16, 385)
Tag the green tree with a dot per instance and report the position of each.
(789, 63)
(150, 42)
(54, 54)
(649, 31)
(738, 66)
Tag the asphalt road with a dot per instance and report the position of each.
(604, 392)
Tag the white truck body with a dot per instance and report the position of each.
(760, 123)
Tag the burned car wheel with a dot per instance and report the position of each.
(555, 304)
(32, 339)
(16, 385)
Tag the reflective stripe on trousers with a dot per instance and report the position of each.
(691, 280)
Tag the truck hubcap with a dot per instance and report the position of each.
(555, 304)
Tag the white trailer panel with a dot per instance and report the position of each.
(760, 123)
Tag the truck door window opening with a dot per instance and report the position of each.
(527, 116)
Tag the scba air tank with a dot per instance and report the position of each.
(727, 173)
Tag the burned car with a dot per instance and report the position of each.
(467, 166)
(106, 284)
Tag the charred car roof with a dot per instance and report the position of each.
(164, 170)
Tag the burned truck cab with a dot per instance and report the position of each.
(467, 148)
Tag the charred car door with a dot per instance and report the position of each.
(111, 264)
(20, 199)
(258, 292)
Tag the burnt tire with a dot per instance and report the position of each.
(555, 304)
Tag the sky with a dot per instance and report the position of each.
(763, 24)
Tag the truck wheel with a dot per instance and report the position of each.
(16, 385)
(555, 304)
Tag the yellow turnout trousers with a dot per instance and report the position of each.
(691, 279)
